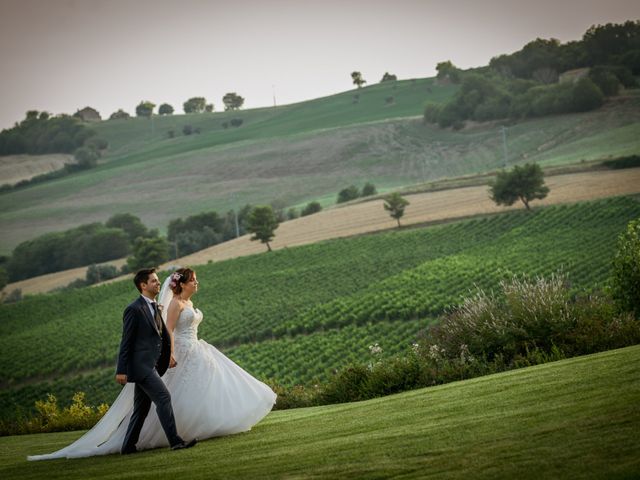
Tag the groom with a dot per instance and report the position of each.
(145, 355)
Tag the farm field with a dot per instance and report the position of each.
(366, 217)
(332, 298)
(298, 153)
(575, 418)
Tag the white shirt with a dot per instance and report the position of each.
(151, 303)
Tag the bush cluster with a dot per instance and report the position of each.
(352, 192)
(531, 321)
(51, 418)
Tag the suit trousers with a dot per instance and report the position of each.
(151, 389)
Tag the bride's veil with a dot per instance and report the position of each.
(164, 297)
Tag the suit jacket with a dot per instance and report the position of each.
(142, 347)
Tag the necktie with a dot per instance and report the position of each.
(156, 316)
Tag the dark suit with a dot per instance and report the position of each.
(144, 357)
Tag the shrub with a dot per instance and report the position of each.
(605, 80)
(50, 418)
(187, 130)
(310, 208)
(630, 161)
(626, 270)
(100, 273)
(369, 189)
(236, 122)
(349, 193)
(86, 157)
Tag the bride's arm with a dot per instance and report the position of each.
(172, 319)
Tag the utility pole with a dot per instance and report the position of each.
(273, 89)
(504, 144)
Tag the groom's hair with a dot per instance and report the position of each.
(142, 276)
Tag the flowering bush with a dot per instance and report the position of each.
(50, 418)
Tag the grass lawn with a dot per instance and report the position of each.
(576, 418)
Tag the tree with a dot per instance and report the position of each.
(311, 208)
(395, 205)
(447, 71)
(387, 77)
(165, 109)
(145, 109)
(208, 107)
(100, 273)
(349, 193)
(232, 101)
(131, 225)
(86, 157)
(148, 252)
(292, 214)
(262, 223)
(357, 79)
(626, 270)
(523, 183)
(369, 189)
(194, 105)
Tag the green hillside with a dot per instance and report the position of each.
(575, 419)
(296, 314)
(298, 153)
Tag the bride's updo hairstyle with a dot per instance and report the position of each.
(180, 276)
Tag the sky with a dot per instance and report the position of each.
(63, 55)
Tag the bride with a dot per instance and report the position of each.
(211, 396)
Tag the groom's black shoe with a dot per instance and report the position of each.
(183, 445)
(128, 451)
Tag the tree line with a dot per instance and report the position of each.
(529, 82)
(40, 133)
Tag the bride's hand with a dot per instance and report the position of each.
(172, 362)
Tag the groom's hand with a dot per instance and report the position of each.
(121, 379)
(172, 362)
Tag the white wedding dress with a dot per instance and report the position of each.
(211, 396)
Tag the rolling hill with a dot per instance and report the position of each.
(298, 153)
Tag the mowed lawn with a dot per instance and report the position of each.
(576, 418)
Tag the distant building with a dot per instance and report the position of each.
(573, 75)
(88, 114)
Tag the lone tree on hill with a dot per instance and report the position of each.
(145, 109)
(357, 79)
(194, 105)
(232, 101)
(165, 109)
(395, 205)
(524, 183)
(262, 223)
(447, 71)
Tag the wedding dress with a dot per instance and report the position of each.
(211, 396)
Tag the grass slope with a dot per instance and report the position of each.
(575, 419)
(295, 314)
(297, 153)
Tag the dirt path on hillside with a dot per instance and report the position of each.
(349, 220)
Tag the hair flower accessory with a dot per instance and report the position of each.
(175, 278)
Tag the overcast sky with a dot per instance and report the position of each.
(62, 55)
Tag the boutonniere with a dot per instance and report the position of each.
(160, 307)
